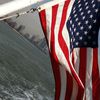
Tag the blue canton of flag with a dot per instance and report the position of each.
(83, 24)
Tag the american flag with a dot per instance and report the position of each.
(71, 28)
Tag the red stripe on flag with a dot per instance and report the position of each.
(55, 65)
(56, 72)
(73, 59)
(63, 44)
(69, 87)
(54, 58)
(65, 50)
(42, 15)
(95, 76)
(82, 71)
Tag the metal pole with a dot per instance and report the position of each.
(15, 5)
(32, 10)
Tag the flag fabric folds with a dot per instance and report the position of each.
(71, 28)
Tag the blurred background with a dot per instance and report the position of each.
(25, 68)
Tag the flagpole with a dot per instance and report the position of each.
(15, 5)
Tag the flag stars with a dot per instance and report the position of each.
(81, 28)
(87, 7)
(77, 33)
(74, 8)
(80, 9)
(77, 43)
(79, 5)
(74, 11)
(93, 5)
(79, 1)
(92, 1)
(79, 23)
(91, 16)
(94, 21)
(73, 26)
(90, 27)
(86, 22)
(82, 13)
(80, 38)
(83, 17)
(70, 21)
(85, 32)
(86, 3)
(75, 15)
(70, 29)
(89, 12)
(72, 33)
(76, 19)
(73, 39)
(96, 10)
(74, 29)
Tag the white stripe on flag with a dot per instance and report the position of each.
(76, 64)
(66, 37)
(63, 82)
(48, 24)
(88, 90)
(70, 8)
(77, 59)
(60, 53)
(58, 50)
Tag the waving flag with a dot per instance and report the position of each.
(71, 28)
(83, 27)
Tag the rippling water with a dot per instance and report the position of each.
(25, 72)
